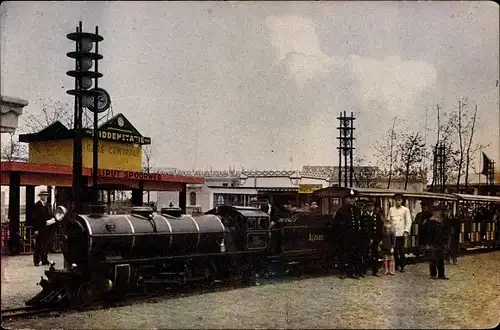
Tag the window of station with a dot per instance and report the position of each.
(192, 198)
(232, 199)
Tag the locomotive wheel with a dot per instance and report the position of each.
(85, 294)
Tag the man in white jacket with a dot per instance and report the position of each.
(400, 217)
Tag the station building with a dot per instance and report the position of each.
(50, 163)
(234, 187)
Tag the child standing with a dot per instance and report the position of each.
(388, 244)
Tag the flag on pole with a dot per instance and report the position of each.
(486, 164)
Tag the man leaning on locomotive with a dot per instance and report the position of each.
(42, 221)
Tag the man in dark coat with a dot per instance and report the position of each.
(372, 225)
(420, 219)
(436, 239)
(41, 213)
(347, 221)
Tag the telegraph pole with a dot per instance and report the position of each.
(96, 100)
(346, 148)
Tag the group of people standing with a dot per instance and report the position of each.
(363, 232)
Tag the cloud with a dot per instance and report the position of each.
(298, 49)
(391, 82)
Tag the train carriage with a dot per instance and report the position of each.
(330, 200)
(479, 217)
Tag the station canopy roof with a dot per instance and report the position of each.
(62, 176)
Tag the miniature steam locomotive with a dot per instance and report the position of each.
(119, 254)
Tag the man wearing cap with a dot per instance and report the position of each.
(41, 213)
(373, 225)
(420, 219)
(400, 217)
(436, 237)
(347, 218)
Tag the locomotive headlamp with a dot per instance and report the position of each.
(60, 213)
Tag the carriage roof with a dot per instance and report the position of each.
(484, 198)
(376, 192)
(340, 192)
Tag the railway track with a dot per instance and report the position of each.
(12, 314)
(31, 311)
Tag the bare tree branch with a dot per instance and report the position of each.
(412, 152)
(13, 149)
(387, 152)
(52, 112)
(460, 139)
(365, 175)
(468, 151)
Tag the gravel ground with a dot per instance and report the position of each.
(410, 300)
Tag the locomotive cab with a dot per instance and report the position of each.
(248, 227)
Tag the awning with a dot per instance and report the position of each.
(56, 175)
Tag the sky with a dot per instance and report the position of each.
(259, 84)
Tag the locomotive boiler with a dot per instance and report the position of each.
(140, 235)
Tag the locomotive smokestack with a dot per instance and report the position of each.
(143, 211)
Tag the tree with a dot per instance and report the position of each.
(13, 149)
(365, 176)
(387, 153)
(460, 141)
(446, 132)
(412, 152)
(146, 162)
(468, 150)
(464, 123)
(456, 135)
(51, 112)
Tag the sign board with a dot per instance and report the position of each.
(120, 145)
(112, 155)
(133, 175)
(309, 188)
(118, 136)
(119, 129)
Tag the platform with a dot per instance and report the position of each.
(23, 277)
(469, 300)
